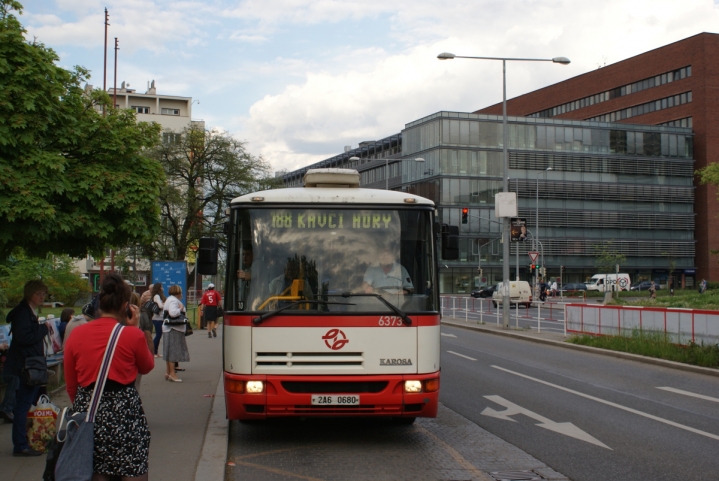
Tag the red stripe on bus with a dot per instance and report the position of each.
(386, 321)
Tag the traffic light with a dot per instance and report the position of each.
(532, 267)
(465, 215)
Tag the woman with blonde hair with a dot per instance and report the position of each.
(174, 347)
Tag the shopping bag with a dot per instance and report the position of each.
(41, 423)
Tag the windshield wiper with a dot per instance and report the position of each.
(258, 320)
(396, 309)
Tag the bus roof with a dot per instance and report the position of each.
(325, 193)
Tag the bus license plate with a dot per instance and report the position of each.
(335, 400)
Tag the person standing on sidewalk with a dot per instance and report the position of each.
(8, 403)
(158, 297)
(209, 307)
(122, 436)
(27, 341)
(174, 347)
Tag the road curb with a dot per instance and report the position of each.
(211, 465)
(618, 354)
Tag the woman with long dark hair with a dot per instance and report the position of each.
(122, 437)
(158, 296)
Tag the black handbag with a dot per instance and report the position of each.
(188, 329)
(34, 373)
(151, 306)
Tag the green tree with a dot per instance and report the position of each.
(710, 175)
(57, 272)
(71, 180)
(607, 258)
(205, 170)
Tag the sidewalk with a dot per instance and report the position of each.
(558, 339)
(187, 420)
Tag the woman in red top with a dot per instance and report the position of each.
(122, 437)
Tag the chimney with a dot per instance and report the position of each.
(348, 148)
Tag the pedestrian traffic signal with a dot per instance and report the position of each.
(465, 215)
(532, 267)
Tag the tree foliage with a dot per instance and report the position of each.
(205, 170)
(57, 272)
(71, 180)
(607, 258)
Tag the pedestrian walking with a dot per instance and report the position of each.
(174, 347)
(122, 436)
(158, 297)
(27, 342)
(653, 291)
(703, 286)
(209, 306)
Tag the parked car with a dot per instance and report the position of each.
(484, 292)
(644, 286)
(572, 287)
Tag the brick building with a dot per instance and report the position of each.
(676, 85)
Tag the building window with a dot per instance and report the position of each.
(645, 108)
(171, 138)
(635, 87)
(141, 110)
(170, 111)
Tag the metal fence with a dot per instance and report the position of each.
(680, 326)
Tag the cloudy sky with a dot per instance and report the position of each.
(300, 79)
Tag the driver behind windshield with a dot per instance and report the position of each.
(387, 276)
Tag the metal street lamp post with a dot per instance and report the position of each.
(386, 168)
(505, 220)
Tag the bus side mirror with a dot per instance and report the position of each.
(227, 228)
(207, 256)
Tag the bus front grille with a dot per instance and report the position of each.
(308, 359)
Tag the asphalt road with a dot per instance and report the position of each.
(629, 421)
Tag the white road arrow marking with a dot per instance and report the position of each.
(462, 355)
(692, 394)
(609, 403)
(568, 429)
(448, 335)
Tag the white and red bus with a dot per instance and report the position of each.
(331, 302)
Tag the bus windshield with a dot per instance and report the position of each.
(279, 257)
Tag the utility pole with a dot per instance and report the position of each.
(104, 70)
(114, 87)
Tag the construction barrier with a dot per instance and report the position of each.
(680, 326)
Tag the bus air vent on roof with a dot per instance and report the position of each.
(337, 178)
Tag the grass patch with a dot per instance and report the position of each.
(684, 298)
(653, 344)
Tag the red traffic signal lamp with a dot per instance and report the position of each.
(465, 215)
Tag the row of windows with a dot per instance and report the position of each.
(644, 84)
(540, 137)
(685, 122)
(645, 108)
(612, 165)
(610, 220)
(582, 247)
(603, 191)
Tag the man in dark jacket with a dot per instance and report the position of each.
(27, 341)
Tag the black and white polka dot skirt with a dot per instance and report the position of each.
(122, 437)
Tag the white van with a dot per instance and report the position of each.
(519, 293)
(604, 282)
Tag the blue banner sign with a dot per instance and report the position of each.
(171, 273)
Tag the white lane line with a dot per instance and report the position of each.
(462, 355)
(692, 394)
(609, 403)
(447, 335)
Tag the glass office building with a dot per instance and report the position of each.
(596, 186)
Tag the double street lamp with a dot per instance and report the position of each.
(505, 220)
(386, 168)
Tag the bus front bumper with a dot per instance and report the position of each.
(286, 396)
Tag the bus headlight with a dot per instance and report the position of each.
(254, 387)
(413, 386)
